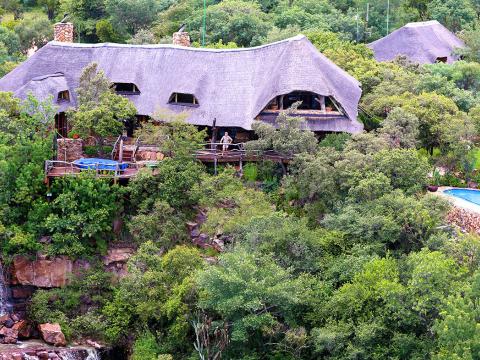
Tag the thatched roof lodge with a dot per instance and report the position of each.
(234, 86)
(421, 42)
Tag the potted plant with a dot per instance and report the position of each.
(436, 179)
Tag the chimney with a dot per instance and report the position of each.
(63, 32)
(181, 38)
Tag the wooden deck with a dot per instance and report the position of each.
(54, 168)
(237, 156)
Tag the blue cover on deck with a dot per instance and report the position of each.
(99, 164)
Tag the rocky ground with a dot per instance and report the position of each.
(467, 221)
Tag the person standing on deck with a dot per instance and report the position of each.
(225, 141)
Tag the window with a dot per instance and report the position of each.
(126, 88)
(307, 101)
(63, 96)
(183, 99)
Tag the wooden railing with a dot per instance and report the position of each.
(112, 155)
(55, 168)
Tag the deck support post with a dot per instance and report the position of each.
(215, 165)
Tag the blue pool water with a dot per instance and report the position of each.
(99, 164)
(466, 194)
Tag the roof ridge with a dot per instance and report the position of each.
(298, 37)
(422, 23)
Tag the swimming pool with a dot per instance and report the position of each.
(99, 164)
(466, 194)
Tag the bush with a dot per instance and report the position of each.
(81, 216)
(145, 347)
(450, 179)
(250, 172)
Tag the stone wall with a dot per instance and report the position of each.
(181, 39)
(63, 32)
(69, 149)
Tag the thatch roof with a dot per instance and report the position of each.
(420, 42)
(231, 85)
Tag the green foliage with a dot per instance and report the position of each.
(160, 224)
(76, 306)
(250, 172)
(24, 145)
(174, 184)
(240, 22)
(393, 221)
(287, 138)
(250, 291)
(145, 347)
(82, 213)
(34, 31)
(335, 140)
(406, 169)
(172, 134)
(105, 31)
(233, 209)
(158, 290)
(100, 112)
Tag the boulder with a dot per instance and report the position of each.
(24, 329)
(42, 355)
(9, 335)
(52, 334)
(117, 255)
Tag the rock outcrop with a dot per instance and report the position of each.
(44, 273)
(13, 328)
(116, 260)
(52, 334)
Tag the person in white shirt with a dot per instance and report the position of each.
(225, 141)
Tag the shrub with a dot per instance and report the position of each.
(250, 172)
(145, 347)
(83, 210)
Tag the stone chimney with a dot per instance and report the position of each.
(63, 32)
(181, 38)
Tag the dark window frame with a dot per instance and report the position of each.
(61, 96)
(182, 99)
(127, 88)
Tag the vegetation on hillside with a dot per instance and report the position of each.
(344, 256)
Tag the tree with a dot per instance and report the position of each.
(249, 291)
(240, 22)
(51, 6)
(400, 129)
(105, 31)
(14, 6)
(33, 32)
(25, 143)
(100, 112)
(130, 16)
(171, 132)
(161, 224)
(454, 14)
(406, 169)
(290, 138)
(82, 214)
(158, 294)
(84, 14)
(175, 183)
